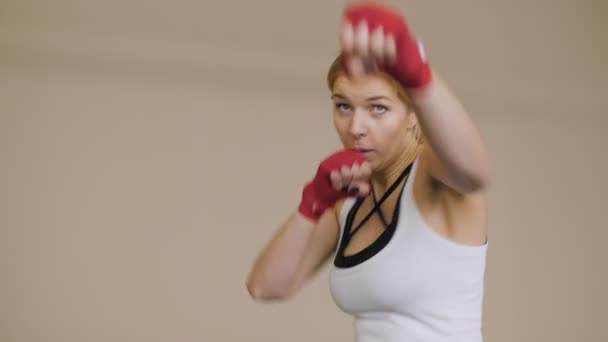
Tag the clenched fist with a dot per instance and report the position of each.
(344, 173)
(377, 37)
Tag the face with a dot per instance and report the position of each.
(369, 116)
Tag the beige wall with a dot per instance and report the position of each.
(149, 149)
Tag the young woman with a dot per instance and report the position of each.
(401, 210)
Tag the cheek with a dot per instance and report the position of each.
(341, 126)
(387, 133)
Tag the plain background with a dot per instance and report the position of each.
(150, 148)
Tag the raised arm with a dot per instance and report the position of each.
(455, 154)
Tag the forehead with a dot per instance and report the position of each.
(363, 87)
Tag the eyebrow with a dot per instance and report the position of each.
(373, 98)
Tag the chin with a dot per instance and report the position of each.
(373, 164)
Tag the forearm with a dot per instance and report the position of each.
(307, 238)
(274, 269)
(452, 135)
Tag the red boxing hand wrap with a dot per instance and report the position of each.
(319, 194)
(411, 68)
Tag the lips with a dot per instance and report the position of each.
(367, 152)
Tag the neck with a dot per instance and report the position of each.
(382, 179)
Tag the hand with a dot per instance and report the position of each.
(344, 173)
(377, 37)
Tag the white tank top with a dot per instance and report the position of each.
(411, 284)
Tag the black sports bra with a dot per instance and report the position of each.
(343, 261)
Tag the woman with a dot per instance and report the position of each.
(404, 216)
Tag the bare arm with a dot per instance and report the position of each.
(295, 253)
(456, 155)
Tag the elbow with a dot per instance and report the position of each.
(259, 293)
(262, 293)
(475, 180)
(483, 175)
(469, 177)
(474, 184)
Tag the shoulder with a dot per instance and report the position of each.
(340, 207)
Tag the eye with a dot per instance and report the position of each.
(379, 109)
(343, 107)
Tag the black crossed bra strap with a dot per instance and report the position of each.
(380, 213)
(377, 204)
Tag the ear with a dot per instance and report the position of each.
(412, 119)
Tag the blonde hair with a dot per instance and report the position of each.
(336, 69)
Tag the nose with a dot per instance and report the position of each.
(358, 125)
